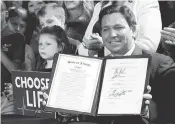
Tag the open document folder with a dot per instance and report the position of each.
(95, 86)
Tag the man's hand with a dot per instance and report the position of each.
(94, 43)
(147, 97)
(9, 65)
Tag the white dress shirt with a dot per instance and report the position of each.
(129, 52)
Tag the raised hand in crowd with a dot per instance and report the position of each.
(169, 35)
(167, 43)
(94, 43)
(90, 40)
(8, 90)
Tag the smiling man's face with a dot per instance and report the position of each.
(116, 34)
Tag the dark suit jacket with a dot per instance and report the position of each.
(162, 80)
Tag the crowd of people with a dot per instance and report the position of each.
(91, 28)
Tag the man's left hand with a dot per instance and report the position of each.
(147, 97)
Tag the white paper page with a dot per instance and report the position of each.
(123, 86)
(74, 83)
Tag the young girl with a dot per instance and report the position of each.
(52, 40)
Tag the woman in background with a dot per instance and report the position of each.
(78, 10)
(78, 16)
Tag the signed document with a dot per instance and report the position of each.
(95, 86)
(123, 86)
(74, 83)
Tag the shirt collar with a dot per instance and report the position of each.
(130, 51)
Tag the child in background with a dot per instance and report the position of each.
(17, 22)
(52, 14)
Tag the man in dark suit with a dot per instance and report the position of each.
(118, 28)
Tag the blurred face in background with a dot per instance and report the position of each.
(53, 17)
(72, 4)
(17, 3)
(17, 25)
(34, 6)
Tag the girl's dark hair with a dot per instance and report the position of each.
(60, 36)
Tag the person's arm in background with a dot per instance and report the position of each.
(91, 41)
(16, 52)
(168, 33)
(10, 65)
(149, 24)
(167, 44)
(29, 63)
(74, 41)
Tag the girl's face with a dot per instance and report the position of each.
(48, 46)
(34, 6)
(72, 4)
